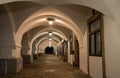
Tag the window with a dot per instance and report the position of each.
(95, 42)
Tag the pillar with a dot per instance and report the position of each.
(10, 58)
(25, 51)
(34, 51)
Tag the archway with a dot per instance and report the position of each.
(49, 50)
(40, 20)
(60, 20)
(46, 32)
(109, 10)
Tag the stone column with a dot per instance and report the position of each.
(25, 51)
(27, 56)
(35, 54)
(10, 58)
(34, 51)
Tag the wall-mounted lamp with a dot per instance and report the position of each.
(50, 20)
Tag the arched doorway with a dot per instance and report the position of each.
(49, 50)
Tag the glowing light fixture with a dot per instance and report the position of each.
(50, 21)
(50, 34)
(50, 39)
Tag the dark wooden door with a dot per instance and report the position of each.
(76, 52)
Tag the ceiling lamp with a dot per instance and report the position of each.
(50, 39)
(50, 33)
(50, 20)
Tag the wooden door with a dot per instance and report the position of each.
(76, 52)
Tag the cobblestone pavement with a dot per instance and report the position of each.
(48, 66)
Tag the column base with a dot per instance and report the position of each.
(11, 66)
(27, 59)
(35, 56)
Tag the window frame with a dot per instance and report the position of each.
(93, 19)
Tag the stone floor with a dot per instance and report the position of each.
(48, 66)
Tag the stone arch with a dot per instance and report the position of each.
(46, 37)
(45, 31)
(37, 45)
(43, 44)
(61, 19)
(51, 29)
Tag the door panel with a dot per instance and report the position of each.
(76, 52)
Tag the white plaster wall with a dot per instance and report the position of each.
(78, 14)
(84, 54)
(95, 65)
(112, 48)
(21, 11)
(90, 3)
